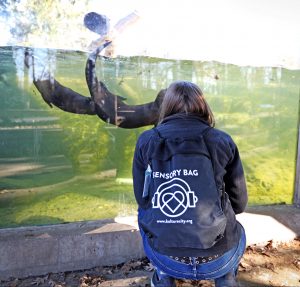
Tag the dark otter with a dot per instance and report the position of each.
(109, 107)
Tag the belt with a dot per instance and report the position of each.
(198, 260)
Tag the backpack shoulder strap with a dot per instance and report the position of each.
(158, 134)
(206, 131)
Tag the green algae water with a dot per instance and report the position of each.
(60, 167)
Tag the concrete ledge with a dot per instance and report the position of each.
(279, 223)
(31, 251)
(28, 251)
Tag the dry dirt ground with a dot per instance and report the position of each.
(267, 265)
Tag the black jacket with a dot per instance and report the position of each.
(227, 168)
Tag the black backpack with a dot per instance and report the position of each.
(186, 206)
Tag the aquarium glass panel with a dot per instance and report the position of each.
(57, 166)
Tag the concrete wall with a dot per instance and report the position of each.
(40, 250)
(30, 251)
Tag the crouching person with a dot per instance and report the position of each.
(189, 184)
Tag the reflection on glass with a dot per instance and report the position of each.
(57, 166)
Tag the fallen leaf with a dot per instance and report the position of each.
(296, 262)
(269, 245)
(39, 280)
(270, 266)
(149, 267)
(244, 266)
(265, 253)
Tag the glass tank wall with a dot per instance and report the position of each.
(58, 167)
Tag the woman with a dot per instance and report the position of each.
(185, 113)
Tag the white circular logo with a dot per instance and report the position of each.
(174, 197)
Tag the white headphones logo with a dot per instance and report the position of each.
(174, 203)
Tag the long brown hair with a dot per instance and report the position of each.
(185, 97)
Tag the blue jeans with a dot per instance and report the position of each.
(223, 269)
